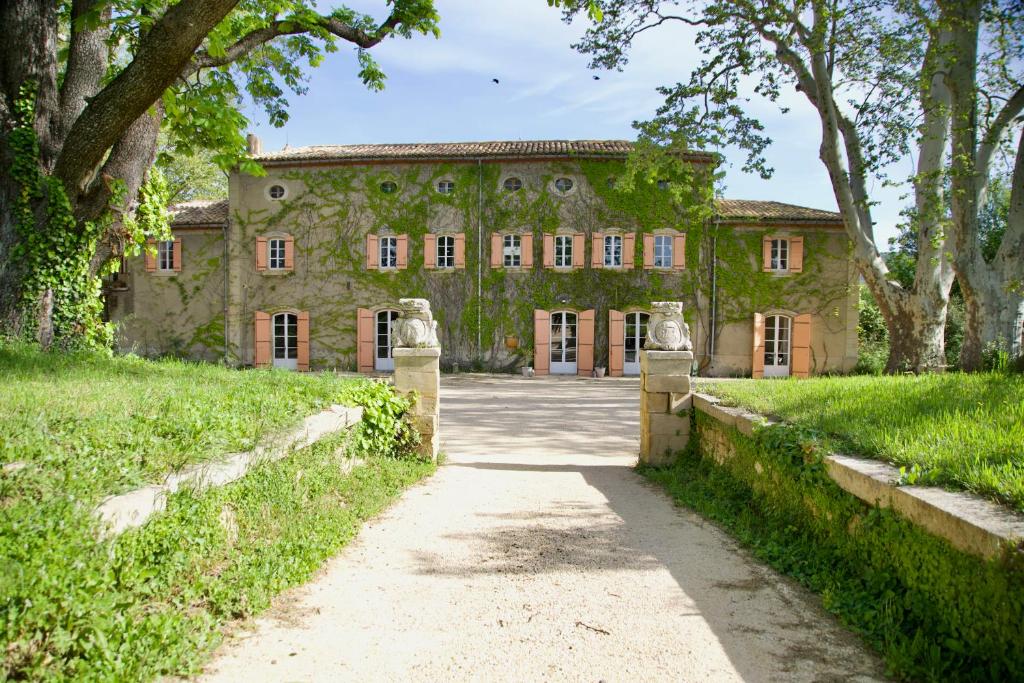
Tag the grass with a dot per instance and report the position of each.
(154, 601)
(110, 424)
(960, 431)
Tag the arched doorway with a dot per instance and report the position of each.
(563, 343)
(285, 330)
(382, 359)
(635, 331)
(777, 338)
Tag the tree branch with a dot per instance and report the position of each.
(1010, 110)
(286, 27)
(87, 64)
(159, 60)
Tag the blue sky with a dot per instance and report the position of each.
(441, 91)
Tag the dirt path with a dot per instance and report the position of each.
(537, 553)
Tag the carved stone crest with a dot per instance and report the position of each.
(666, 330)
(415, 327)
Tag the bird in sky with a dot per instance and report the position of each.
(495, 80)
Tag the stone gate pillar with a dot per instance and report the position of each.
(417, 355)
(665, 392)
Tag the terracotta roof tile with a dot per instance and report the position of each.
(200, 212)
(739, 210)
(456, 150)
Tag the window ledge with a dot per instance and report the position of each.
(165, 273)
(276, 271)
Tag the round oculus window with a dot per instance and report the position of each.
(446, 186)
(513, 184)
(276, 192)
(389, 187)
(563, 185)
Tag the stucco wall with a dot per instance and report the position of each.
(179, 313)
(329, 210)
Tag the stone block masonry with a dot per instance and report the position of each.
(665, 392)
(418, 370)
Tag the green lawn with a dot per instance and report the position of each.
(963, 432)
(152, 602)
(110, 424)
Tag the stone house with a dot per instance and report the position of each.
(530, 252)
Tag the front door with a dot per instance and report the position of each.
(382, 359)
(776, 346)
(563, 343)
(286, 341)
(636, 332)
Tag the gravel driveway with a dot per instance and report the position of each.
(537, 553)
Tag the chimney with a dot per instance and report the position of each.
(254, 144)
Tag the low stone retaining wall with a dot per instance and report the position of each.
(132, 509)
(969, 522)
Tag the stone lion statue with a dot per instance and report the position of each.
(666, 329)
(415, 327)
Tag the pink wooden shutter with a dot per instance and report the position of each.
(648, 251)
(261, 340)
(616, 343)
(496, 254)
(585, 343)
(800, 354)
(548, 256)
(289, 253)
(796, 254)
(430, 251)
(302, 339)
(679, 252)
(403, 251)
(364, 340)
(526, 249)
(177, 255)
(261, 254)
(149, 256)
(758, 360)
(766, 254)
(597, 250)
(628, 250)
(541, 342)
(578, 240)
(460, 250)
(372, 252)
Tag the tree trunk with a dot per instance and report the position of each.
(28, 53)
(918, 344)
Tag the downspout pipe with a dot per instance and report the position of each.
(714, 296)
(479, 257)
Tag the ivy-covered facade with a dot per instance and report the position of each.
(512, 243)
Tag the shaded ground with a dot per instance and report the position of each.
(537, 553)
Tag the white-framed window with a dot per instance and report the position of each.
(275, 253)
(388, 252)
(780, 254)
(512, 251)
(445, 186)
(445, 251)
(513, 184)
(564, 185)
(277, 192)
(563, 251)
(613, 251)
(663, 251)
(165, 255)
(383, 360)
